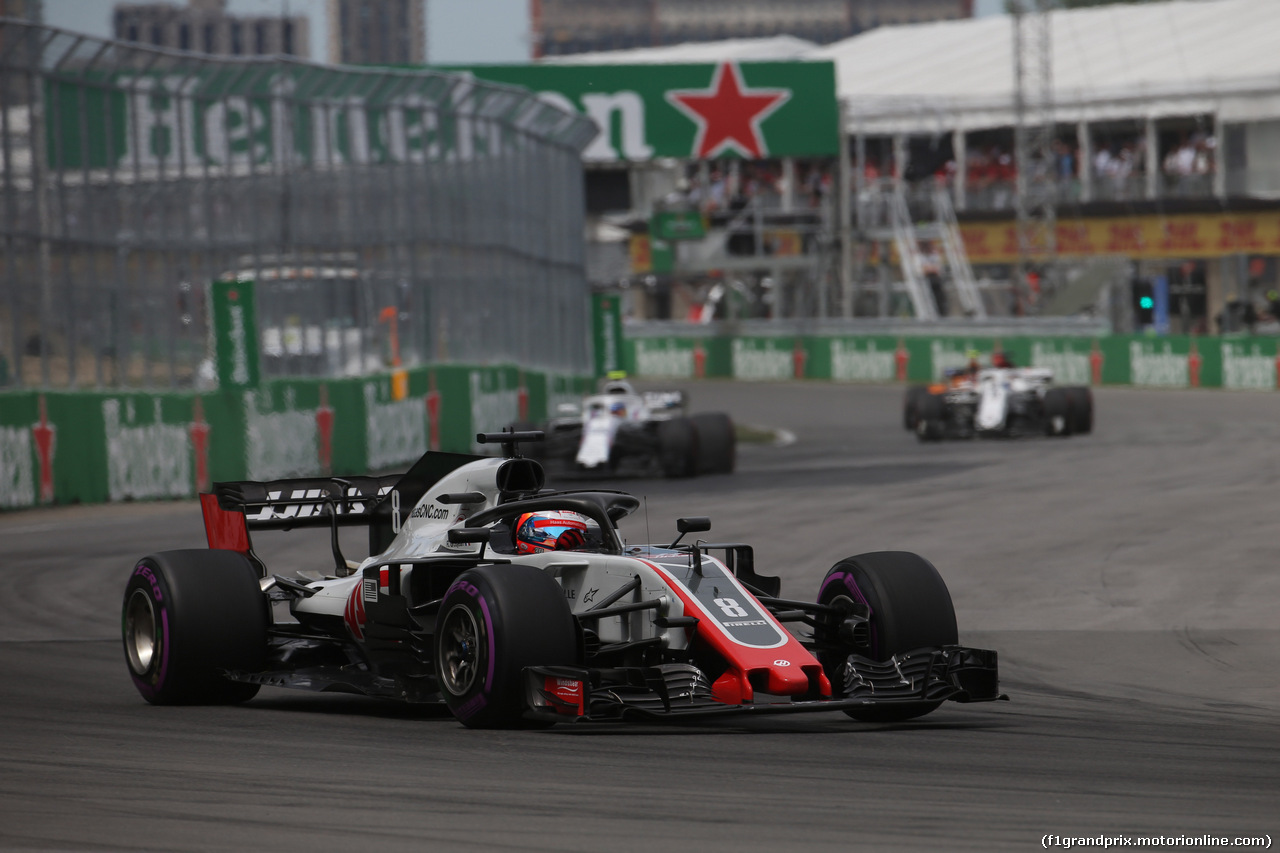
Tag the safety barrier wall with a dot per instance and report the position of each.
(70, 447)
(1169, 362)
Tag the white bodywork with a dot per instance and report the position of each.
(996, 385)
(587, 577)
(617, 405)
(422, 530)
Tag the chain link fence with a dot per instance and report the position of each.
(387, 216)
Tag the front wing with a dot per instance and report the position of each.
(955, 673)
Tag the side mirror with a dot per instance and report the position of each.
(468, 535)
(692, 524)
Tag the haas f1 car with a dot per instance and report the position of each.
(516, 605)
(1001, 401)
(622, 431)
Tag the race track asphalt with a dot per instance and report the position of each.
(1129, 579)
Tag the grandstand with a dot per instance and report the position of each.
(1166, 114)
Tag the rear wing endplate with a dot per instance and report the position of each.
(379, 502)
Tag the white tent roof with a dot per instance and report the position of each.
(1182, 57)
(743, 50)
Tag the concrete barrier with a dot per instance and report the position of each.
(1173, 361)
(59, 447)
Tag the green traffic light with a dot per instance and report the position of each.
(1146, 302)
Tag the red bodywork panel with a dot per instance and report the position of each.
(787, 669)
(225, 529)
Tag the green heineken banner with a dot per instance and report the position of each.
(744, 109)
(235, 333)
(606, 332)
(219, 115)
(90, 446)
(1153, 362)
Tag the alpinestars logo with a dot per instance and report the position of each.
(728, 114)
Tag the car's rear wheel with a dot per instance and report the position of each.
(678, 447)
(717, 443)
(492, 623)
(188, 617)
(1081, 398)
(910, 609)
(1057, 412)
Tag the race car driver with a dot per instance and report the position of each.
(560, 530)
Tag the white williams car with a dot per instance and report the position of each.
(623, 431)
(997, 401)
(517, 605)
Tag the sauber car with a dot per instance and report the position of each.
(457, 607)
(623, 431)
(997, 402)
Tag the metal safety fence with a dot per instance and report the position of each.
(388, 217)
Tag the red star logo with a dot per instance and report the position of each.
(728, 115)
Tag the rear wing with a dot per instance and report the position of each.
(377, 501)
(307, 502)
(664, 401)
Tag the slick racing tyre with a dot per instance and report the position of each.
(717, 443)
(559, 448)
(911, 406)
(678, 447)
(1081, 398)
(931, 417)
(910, 609)
(1057, 412)
(188, 617)
(493, 622)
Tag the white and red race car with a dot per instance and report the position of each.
(447, 610)
(997, 401)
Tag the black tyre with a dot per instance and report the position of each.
(189, 616)
(678, 447)
(1081, 398)
(911, 406)
(717, 443)
(561, 446)
(493, 622)
(931, 417)
(910, 609)
(1057, 412)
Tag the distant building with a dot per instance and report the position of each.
(563, 27)
(377, 32)
(31, 10)
(204, 26)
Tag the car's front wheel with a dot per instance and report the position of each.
(910, 609)
(493, 622)
(931, 417)
(189, 617)
(911, 406)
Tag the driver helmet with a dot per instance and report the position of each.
(558, 530)
(618, 409)
(1001, 359)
